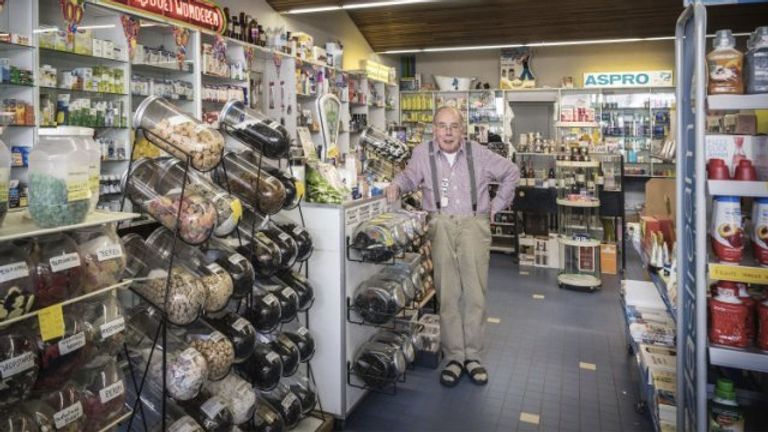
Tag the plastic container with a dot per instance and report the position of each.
(376, 241)
(62, 357)
(106, 316)
(289, 353)
(399, 339)
(286, 403)
(287, 296)
(186, 293)
(266, 419)
(17, 294)
(210, 411)
(264, 368)
(292, 194)
(378, 300)
(215, 278)
(724, 412)
(253, 186)
(264, 254)
(728, 321)
(756, 62)
(103, 391)
(287, 247)
(20, 365)
(103, 256)
(217, 349)
(161, 197)
(379, 365)
(228, 208)
(300, 236)
(255, 130)
(177, 133)
(302, 338)
(238, 330)
(302, 286)
(404, 277)
(56, 267)
(725, 64)
(83, 139)
(264, 311)
(239, 268)
(59, 187)
(238, 394)
(5, 177)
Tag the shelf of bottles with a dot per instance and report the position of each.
(486, 115)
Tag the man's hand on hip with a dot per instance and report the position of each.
(393, 192)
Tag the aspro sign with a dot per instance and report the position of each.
(661, 78)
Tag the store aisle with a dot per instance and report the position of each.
(534, 356)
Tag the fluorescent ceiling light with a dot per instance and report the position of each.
(472, 48)
(96, 27)
(374, 4)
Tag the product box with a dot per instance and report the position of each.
(319, 54)
(732, 148)
(334, 52)
(109, 50)
(61, 42)
(47, 38)
(608, 258)
(98, 48)
(83, 42)
(740, 124)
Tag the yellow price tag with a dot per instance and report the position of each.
(333, 152)
(51, 322)
(4, 189)
(299, 187)
(237, 209)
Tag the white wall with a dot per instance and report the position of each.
(550, 64)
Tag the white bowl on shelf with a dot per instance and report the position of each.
(450, 83)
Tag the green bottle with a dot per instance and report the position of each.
(724, 412)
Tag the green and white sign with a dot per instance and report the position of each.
(660, 78)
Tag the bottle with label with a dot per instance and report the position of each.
(227, 20)
(724, 412)
(756, 62)
(551, 176)
(725, 64)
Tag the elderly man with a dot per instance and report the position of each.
(454, 175)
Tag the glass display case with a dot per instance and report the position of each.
(486, 115)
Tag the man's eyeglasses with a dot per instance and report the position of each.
(455, 127)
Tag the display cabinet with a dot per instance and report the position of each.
(486, 115)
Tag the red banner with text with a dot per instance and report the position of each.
(198, 13)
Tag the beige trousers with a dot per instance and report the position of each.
(460, 253)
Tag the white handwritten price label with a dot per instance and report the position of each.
(72, 343)
(17, 365)
(303, 331)
(112, 328)
(272, 357)
(68, 415)
(213, 407)
(284, 237)
(270, 300)
(298, 230)
(240, 324)
(184, 424)
(109, 251)
(65, 262)
(13, 271)
(112, 391)
(288, 292)
(289, 400)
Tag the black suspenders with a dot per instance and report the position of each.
(472, 181)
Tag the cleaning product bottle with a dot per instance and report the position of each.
(725, 65)
(724, 412)
(756, 62)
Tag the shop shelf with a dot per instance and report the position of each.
(577, 125)
(226, 80)
(69, 55)
(306, 96)
(19, 225)
(141, 96)
(738, 188)
(577, 164)
(66, 90)
(748, 359)
(502, 235)
(570, 203)
(580, 243)
(737, 102)
(11, 46)
(505, 249)
(658, 281)
(164, 68)
(14, 85)
(503, 223)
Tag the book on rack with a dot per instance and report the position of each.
(656, 358)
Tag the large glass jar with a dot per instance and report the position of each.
(266, 419)
(217, 349)
(19, 364)
(400, 339)
(16, 288)
(106, 316)
(401, 276)
(210, 411)
(238, 394)
(378, 365)
(264, 254)
(57, 269)
(103, 391)
(62, 357)
(254, 186)
(186, 293)
(300, 236)
(161, 198)
(378, 300)
(238, 330)
(286, 245)
(59, 410)
(302, 286)
(59, 188)
(18, 421)
(228, 208)
(376, 242)
(263, 311)
(292, 195)
(255, 130)
(169, 128)
(103, 256)
(302, 338)
(215, 278)
(289, 353)
(5, 177)
(305, 391)
(286, 403)
(238, 266)
(287, 296)
(264, 368)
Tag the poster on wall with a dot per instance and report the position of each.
(196, 13)
(656, 78)
(516, 69)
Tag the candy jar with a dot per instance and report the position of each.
(289, 353)
(103, 394)
(263, 311)
(287, 247)
(210, 411)
(238, 266)
(217, 349)
(286, 403)
(399, 339)
(59, 188)
(289, 300)
(302, 338)
(61, 357)
(304, 391)
(401, 276)
(264, 254)
(238, 394)
(179, 134)
(215, 278)
(292, 195)
(238, 330)
(378, 300)
(302, 286)
(59, 410)
(16, 287)
(19, 365)
(186, 293)
(255, 130)
(264, 368)
(378, 365)
(161, 198)
(251, 184)
(228, 208)
(56, 267)
(17, 421)
(266, 419)
(106, 316)
(103, 256)
(300, 236)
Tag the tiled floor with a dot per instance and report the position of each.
(534, 356)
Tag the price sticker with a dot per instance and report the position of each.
(108, 252)
(288, 292)
(284, 237)
(270, 300)
(51, 322)
(303, 331)
(298, 230)
(13, 271)
(184, 424)
(64, 262)
(77, 187)
(240, 324)
(236, 259)
(216, 337)
(112, 328)
(69, 415)
(17, 365)
(110, 392)
(213, 406)
(237, 209)
(72, 343)
(215, 268)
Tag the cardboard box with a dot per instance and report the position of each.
(726, 147)
(660, 198)
(608, 258)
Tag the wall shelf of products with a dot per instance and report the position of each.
(18, 225)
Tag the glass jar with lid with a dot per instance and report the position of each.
(162, 197)
(287, 296)
(56, 267)
(266, 418)
(238, 330)
(59, 410)
(378, 300)
(179, 134)
(238, 266)
(286, 245)
(289, 353)
(20, 357)
(186, 293)
(238, 394)
(255, 130)
(61, 357)
(302, 338)
(218, 350)
(106, 316)
(292, 194)
(264, 254)
(264, 368)
(210, 410)
(59, 180)
(251, 184)
(302, 286)
(263, 311)
(303, 388)
(286, 403)
(17, 293)
(378, 364)
(300, 235)
(103, 391)
(5, 177)
(228, 208)
(215, 278)
(103, 256)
